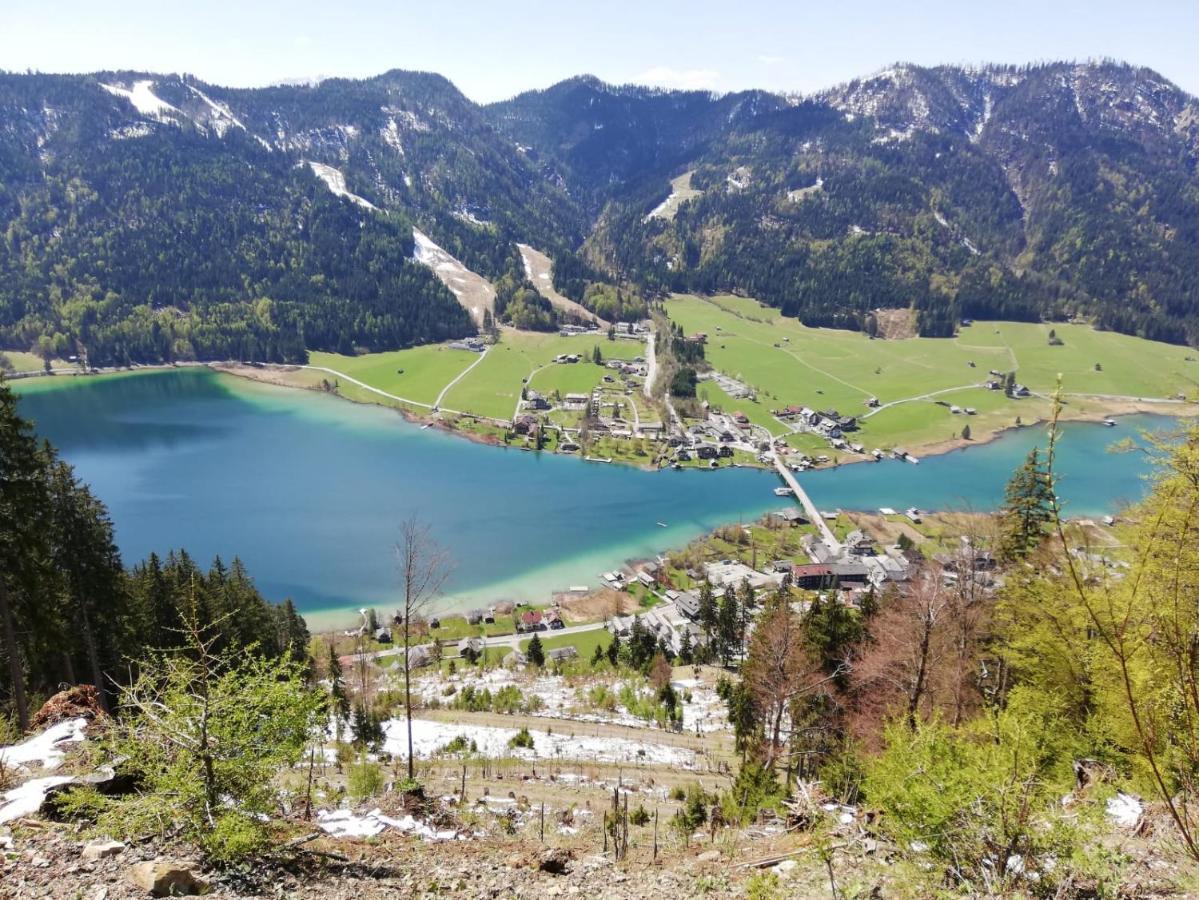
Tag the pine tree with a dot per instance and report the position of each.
(535, 652)
(728, 626)
(1027, 510)
(614, 651)
(339, 700)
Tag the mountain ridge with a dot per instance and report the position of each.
(1050, 190)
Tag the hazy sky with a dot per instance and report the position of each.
(497, 48)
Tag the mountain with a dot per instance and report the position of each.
(1043, 191)
(596, 140)
(151, 217)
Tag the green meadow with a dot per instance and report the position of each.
(787, 363)
(417, 374)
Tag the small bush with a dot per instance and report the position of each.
(521, 740)
(461, 744)
(364, 779)
(639, 816)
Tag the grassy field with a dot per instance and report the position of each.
(493, 387)
(31, 362)
(788, 363)
(585, 642)
(418, 374)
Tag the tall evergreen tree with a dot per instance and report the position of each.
(1027, 509)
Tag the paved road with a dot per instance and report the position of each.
(499, 640)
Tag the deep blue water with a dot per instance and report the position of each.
(308, 490)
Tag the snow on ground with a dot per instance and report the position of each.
(559, 699)
(391, 136)
(428, 737)
(336, 182)
(342, 823)
(1125, 810)
(222, 117)
(473, 291)
(45, 749)
(143, 99)
(27, 799)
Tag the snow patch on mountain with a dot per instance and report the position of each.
(391, 136)
(143, 99)
(472, 290)
(336, 182)
(221, 118)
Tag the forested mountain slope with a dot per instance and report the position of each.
(150, 217)
(154, 217)
(1011, 192)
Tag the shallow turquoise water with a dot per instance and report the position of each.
(309, 490)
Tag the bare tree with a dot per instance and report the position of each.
(779, 670)
(904, 663)
(424, 565)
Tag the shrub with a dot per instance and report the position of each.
(206, 734)
(639, 816)
(521, 740)
(461, 744)
(364, 779)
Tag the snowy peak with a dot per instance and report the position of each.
(1110, 97)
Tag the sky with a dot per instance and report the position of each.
(495, 49)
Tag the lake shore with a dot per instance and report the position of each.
(287, 376)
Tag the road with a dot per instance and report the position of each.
(445, 390)
(806, 502)
(651, 367)
(498, 640)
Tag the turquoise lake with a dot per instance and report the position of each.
(309, 490)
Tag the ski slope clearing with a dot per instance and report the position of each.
(680, 192)
(473, 291)
(143, 99)
(336, 182)
(539, 269)
(220, 117)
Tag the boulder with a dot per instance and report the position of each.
(555, 860)
(708, 856)
(101, 849)
(167, 878)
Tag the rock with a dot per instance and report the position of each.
(786, 869)
(708, 856)
(555, 860)
(101, 849)
(164, 878)
(515, 861)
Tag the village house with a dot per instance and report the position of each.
(562, 654)
(531, 621)
(812, 577)
(470, 648)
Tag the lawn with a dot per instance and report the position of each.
(788, 363)
(585, 642)
(21, 361)
(493, 387)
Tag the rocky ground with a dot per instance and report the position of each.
(53, 861)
